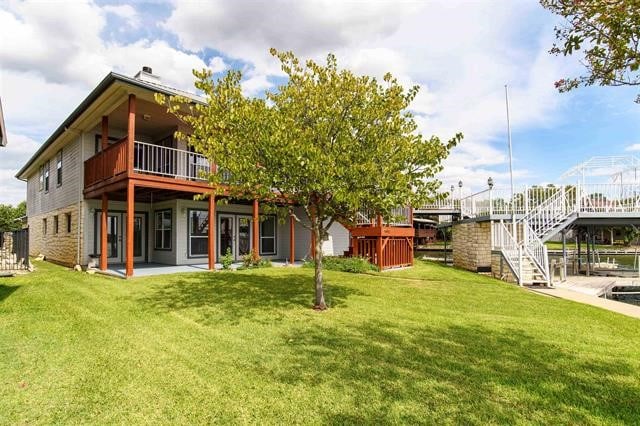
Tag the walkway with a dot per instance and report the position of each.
(610, 305)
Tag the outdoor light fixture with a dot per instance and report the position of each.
(452, 189)
(460, 184)
(490, 182)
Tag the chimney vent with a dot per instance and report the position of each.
(146, 74)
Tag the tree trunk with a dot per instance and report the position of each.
(319, 304)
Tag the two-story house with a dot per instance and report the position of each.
(113, 183)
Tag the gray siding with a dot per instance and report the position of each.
(39, 202)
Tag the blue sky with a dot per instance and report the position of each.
(461, 53)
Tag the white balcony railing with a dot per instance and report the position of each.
(170, 162)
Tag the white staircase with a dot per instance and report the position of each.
(523, 246)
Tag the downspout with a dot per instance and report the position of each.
(80, 188)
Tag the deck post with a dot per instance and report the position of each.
(104, 143)
(129, 239)
(564, 254)
(379, 252)
(292, 243)
(211, 238)
(103, 232)
(131, 133)
(256, 228)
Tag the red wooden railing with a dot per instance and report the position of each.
(396, 251)
(106, 164)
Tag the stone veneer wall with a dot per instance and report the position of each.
(471, 245)
(61, 247)
(500, 268)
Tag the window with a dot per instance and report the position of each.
(44, 226)
(55, 224)
(163, 230)
(59, 168)
(68, 220)
(46, 177)
(268, 235)
(198, 232)
(41, 178)
(98, 142)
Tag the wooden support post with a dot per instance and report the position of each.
(379, 251)
(256, 229)
(129, 238)
(104, 142)
(103, 232)
(292, 242)
(212, 233)
(131, 133)
(354, 246)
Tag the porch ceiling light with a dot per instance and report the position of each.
(146, 117)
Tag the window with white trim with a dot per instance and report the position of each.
(59, 168)
(198, 233)
(268, 235)
(163, 224)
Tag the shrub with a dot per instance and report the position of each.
(253, 260)
(227, 259)
(357, 265)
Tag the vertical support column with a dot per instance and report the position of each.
(379, 251)
(103, 232)
(354, 246)
(129, 241)
(564, 254)
(212, 233)
(292, 242)
(104, 142)
(131, 133)
(256, 229)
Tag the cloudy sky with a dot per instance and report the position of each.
(461, 53)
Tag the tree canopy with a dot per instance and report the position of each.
(327, 140)
(608, 32)
(10, 215)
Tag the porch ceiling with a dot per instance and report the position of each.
(159, 122)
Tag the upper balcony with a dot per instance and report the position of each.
(136, 140)
(148, 159)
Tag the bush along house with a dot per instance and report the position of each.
(113, 186)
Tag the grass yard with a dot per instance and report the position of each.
(430, 344)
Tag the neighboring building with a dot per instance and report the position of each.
(3, 131)
(113, 181)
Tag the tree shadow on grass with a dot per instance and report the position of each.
(457, 374)
(6, 291)
(233, 296)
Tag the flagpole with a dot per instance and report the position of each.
(513, 207)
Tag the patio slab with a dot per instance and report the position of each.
(150, 269)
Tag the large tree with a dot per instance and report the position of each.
(608, 32)
(327, 140)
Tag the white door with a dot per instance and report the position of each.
(234, 235)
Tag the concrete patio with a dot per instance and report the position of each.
(150, 269)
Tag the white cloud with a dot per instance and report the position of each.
(126, 12)
(460, 55)
(17, 151)
(217, 64)
(633, 147)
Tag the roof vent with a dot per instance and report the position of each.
(146, 74)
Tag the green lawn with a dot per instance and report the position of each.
(571, 245)
(430, 344)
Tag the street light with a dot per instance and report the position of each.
(490, 182)
(460, 192)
